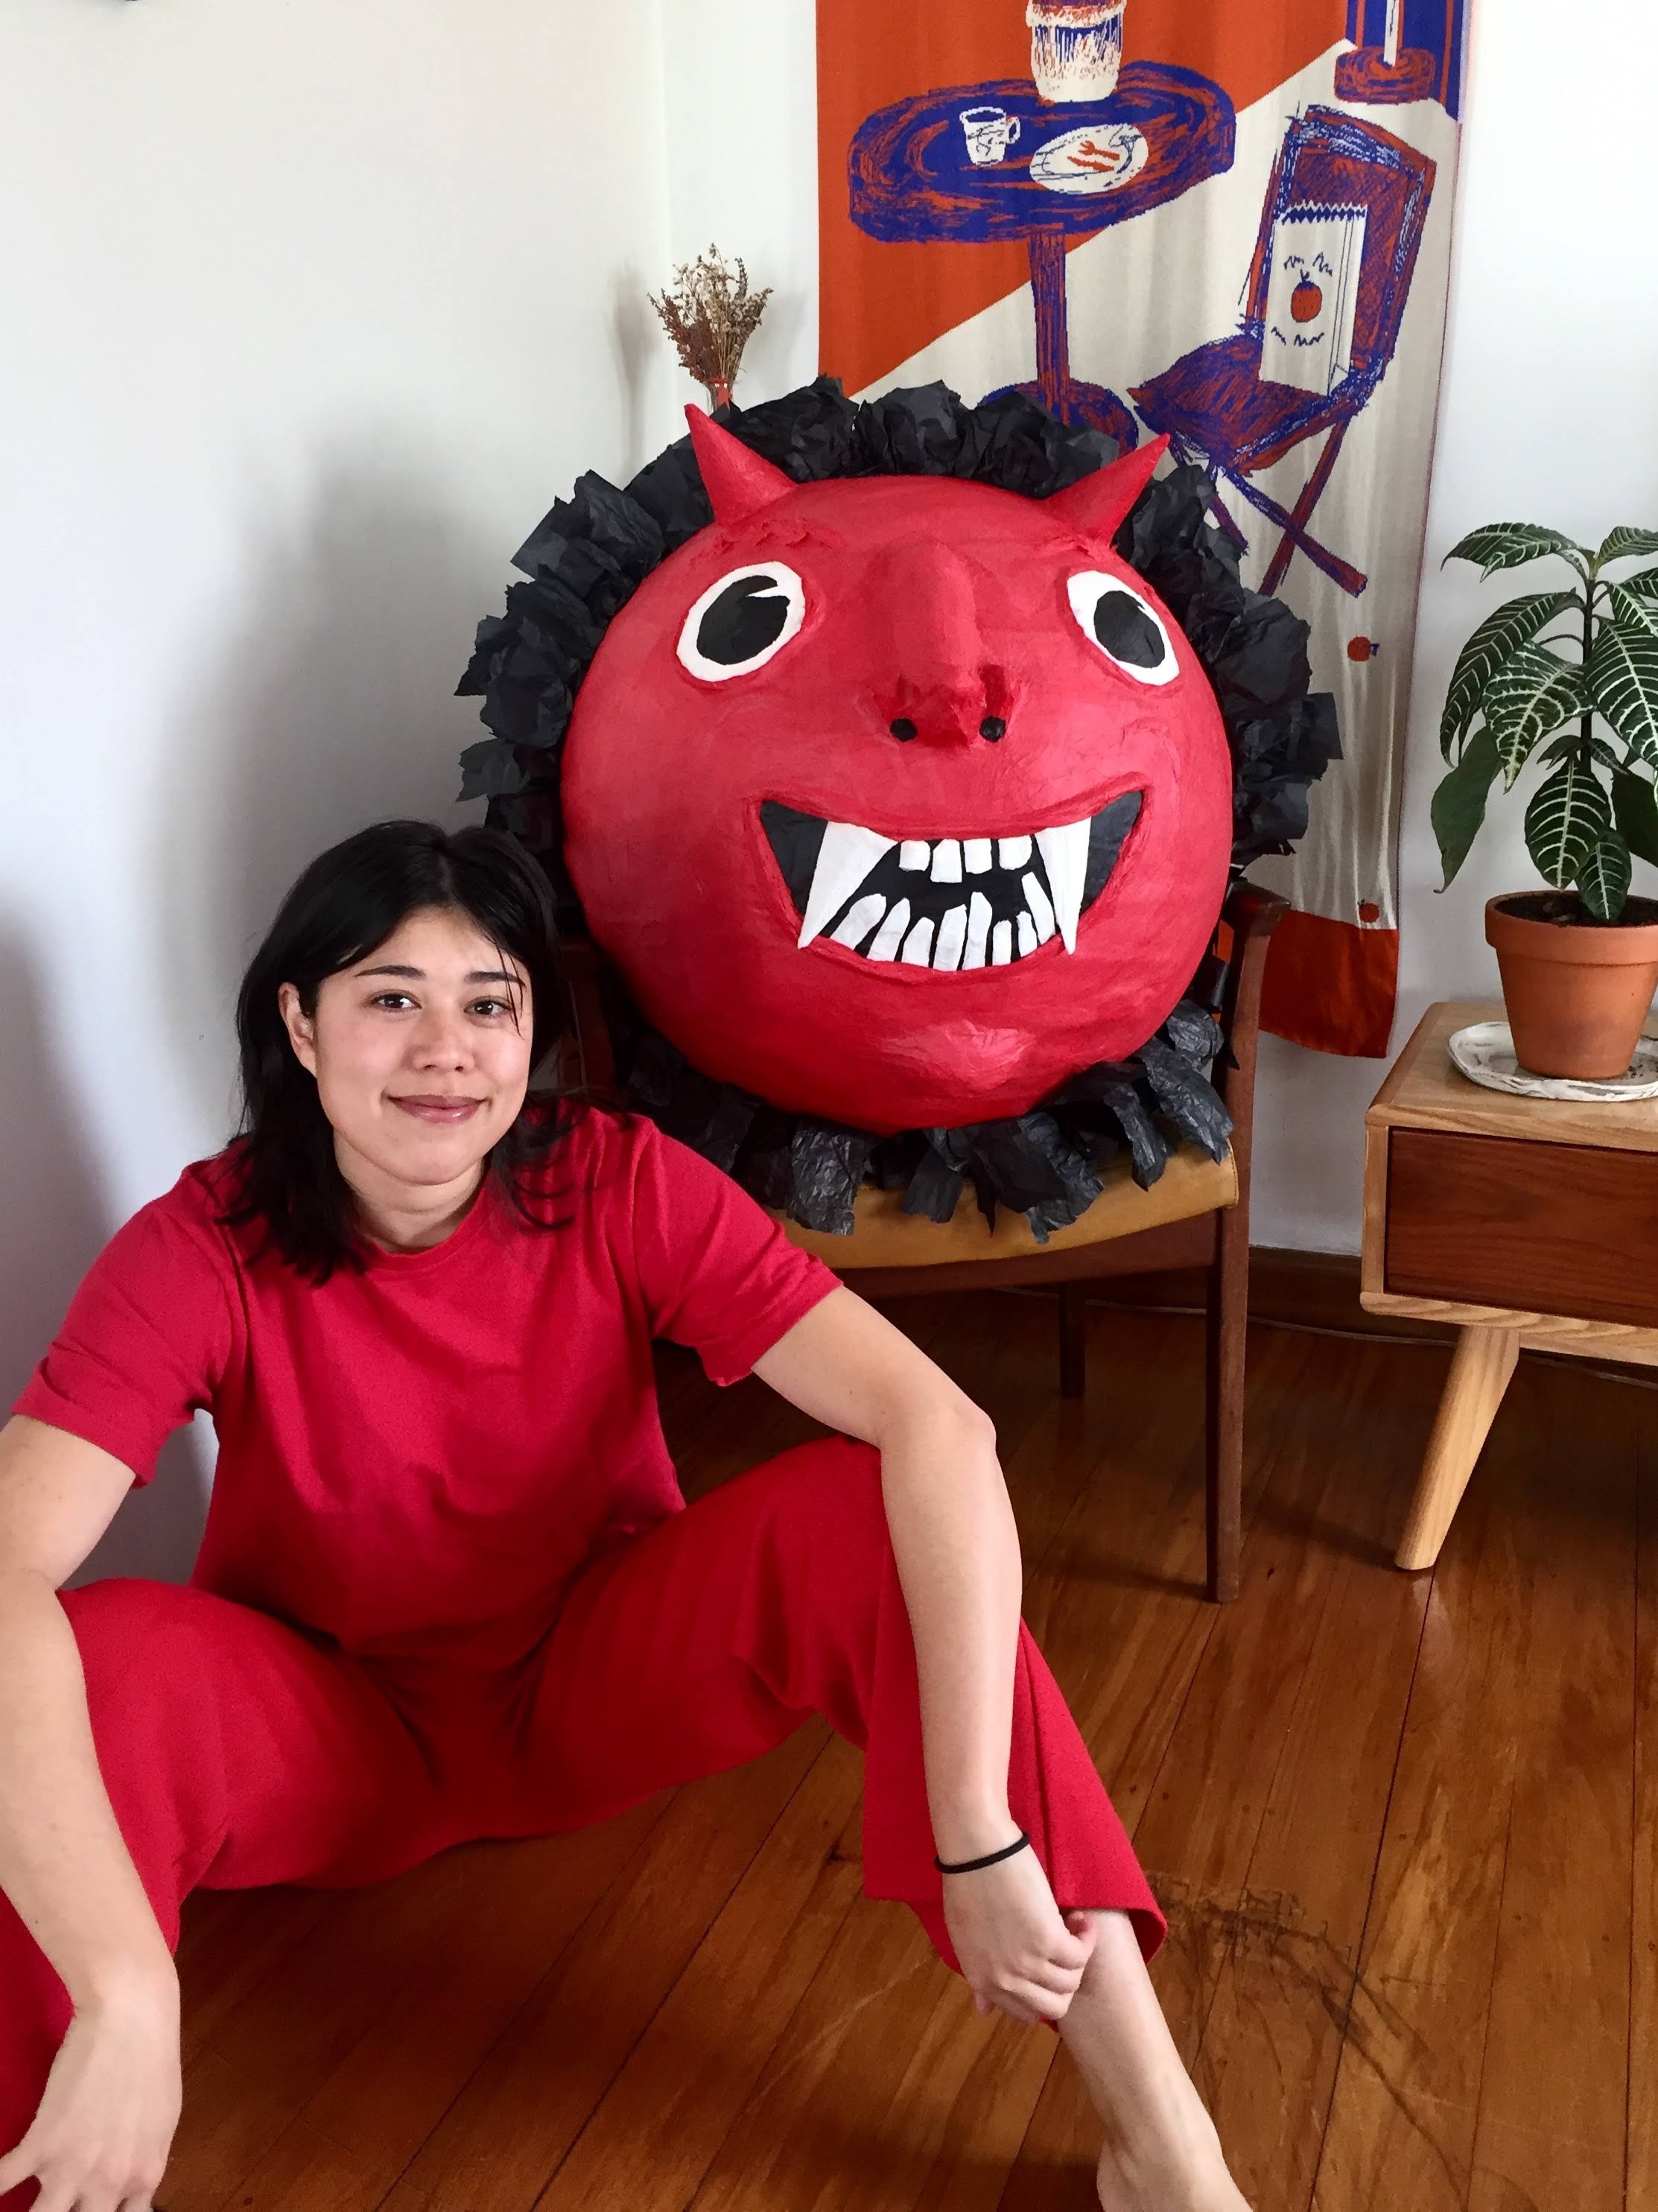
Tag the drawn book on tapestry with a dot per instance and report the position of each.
(1312, 294)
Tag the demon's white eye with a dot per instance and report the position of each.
(739, 622)
(1111, 614)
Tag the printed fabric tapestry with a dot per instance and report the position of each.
(1229, 223)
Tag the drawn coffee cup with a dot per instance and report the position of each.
(989, 132)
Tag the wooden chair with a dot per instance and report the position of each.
(1195, 1216)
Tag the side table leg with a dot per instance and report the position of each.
(1480, 1368)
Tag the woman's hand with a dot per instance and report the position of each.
(100, 2137)
(1018, 1952)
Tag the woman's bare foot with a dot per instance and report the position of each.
(1162, 2153)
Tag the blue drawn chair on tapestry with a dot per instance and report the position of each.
(1215, 404)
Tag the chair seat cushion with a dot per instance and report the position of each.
(884, 1235)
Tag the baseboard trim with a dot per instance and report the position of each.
(1299, 1290)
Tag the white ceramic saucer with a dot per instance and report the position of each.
(1485, 1053)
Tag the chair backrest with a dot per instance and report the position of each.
(1329, 160)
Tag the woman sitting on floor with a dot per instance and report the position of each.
(448, 1586)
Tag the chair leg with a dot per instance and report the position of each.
(1073, 1341)
(1352, 580)
(1312, 492)
(1227, 1322)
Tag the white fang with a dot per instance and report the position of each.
(952, 931)
(978, 930)
(1041, 912)
(918, 945)
(845, 858)
(1064, 855)
(891, 930)
(860, 919)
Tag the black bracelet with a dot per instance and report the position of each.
(972, 1866)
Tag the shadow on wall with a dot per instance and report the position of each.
(56, 1223)
(327, 702)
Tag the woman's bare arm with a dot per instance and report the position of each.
(63, 1862)
(954, 1540)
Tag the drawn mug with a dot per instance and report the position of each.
(989, 132)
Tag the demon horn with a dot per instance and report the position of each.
(738, 481)
(1098, 503)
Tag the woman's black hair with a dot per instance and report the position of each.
(346, 902)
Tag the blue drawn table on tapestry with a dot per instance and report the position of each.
(911, 179)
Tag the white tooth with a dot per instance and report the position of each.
(891, 931)
(947, 861)
(978, 930)
(1001, 944)
(947, 953)
(860, 920)
(977, 853)
(1065, 856)
(918, 945)
(845, 858)
(1041, 912)
(914, 852)
(1027, 935)
(1013, 851)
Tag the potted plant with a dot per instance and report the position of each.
(1566, 681)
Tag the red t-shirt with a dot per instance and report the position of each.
(414, 1460)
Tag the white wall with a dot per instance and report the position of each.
(312, 310)
(1546, 415)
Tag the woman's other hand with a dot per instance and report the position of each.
(1019, 1953)
(100, 2139)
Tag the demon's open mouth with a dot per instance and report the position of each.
(946, 902)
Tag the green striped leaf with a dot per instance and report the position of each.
(1568, 816)
(1459, 803)
(1569, 746)
(1495, 641)
(1619, 543)
(1638, 615)
(1511, 544)
(1527, 700)
(1634, 810)
(1622, 676)
(1643, 583)
(1603, 879)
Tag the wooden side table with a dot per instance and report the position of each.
(1528, 1223)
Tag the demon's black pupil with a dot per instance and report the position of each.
(747, 616)
(1127, 632)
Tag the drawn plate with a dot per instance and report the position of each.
(1096, 159)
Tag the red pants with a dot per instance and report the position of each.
(237, 1752)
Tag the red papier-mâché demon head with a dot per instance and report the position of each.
(898, 800)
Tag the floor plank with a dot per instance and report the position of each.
(1642, 2184)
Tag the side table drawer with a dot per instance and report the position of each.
(1542, 1228)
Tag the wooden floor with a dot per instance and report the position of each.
(1404, 1827)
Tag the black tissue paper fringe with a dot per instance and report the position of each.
(591, 552)
(1045, 1164)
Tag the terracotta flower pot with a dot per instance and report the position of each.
(1576, 991)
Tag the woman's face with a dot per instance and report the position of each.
(421, 1049)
